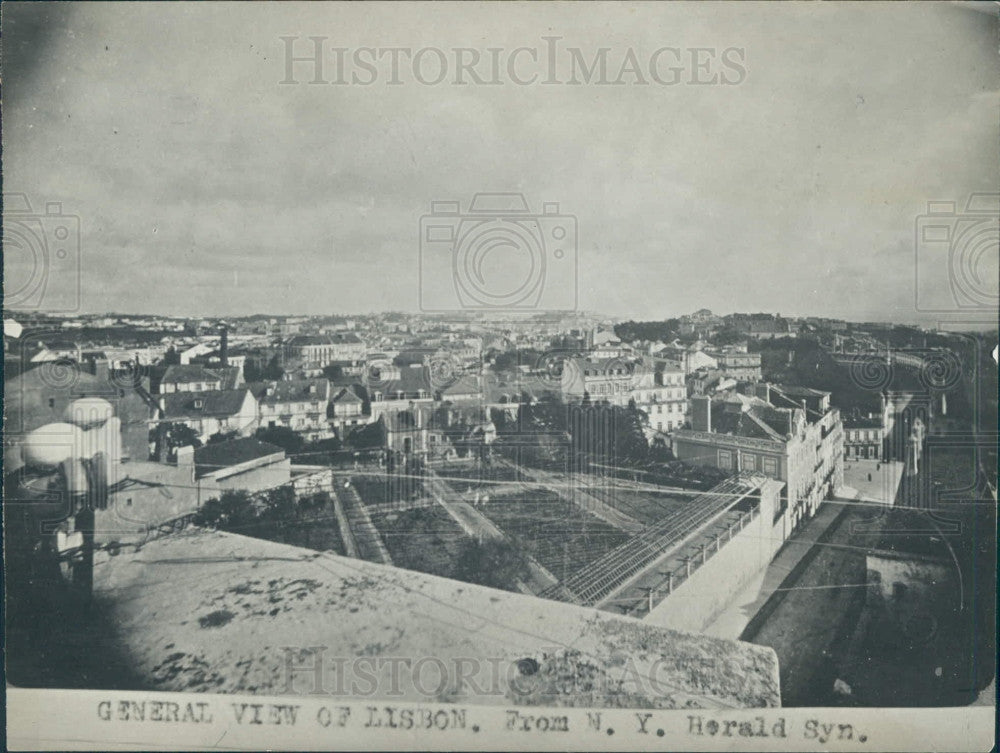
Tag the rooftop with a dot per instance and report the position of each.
(291, 390)
(183, 373)
(213, 611)
(208, 403)
(218, 455)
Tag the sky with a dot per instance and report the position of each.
(204, 186)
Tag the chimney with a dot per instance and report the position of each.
(162, 445)
(224, 347)
(701, 413)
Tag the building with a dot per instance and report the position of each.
(347, 408)
(197, 350)
(661, 394)
(466, 388)
(56, 350)
(246, 464)
(190, 378)
(701, 323)
(738, 364)
(760, 326)
(211, 412)
(690, 359)
(298, 404)
(690, 563)
(864, 437)
(392, 388)
(442, 432)
(703, 381)
(791, 434)
(608, 380)
(342, 347)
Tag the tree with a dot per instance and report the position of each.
(281, 436)
(333, 372)
(492, 562)
(279, 504)
(175, 435)
(727, 336)
(231, 511)
(322, 451)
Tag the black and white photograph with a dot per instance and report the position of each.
(500, 375)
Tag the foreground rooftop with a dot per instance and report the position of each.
(218, 612)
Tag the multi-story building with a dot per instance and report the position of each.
(864, 437)
(690, 359)
(339, 347)
(347, 407)
(297, 404)
(761, 326)
(788, 433)
(660, 393)
(392, 388)
(211, 412)
(608, 380)
(738, 364)
(190, 378)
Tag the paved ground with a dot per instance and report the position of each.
(810, 627)
(732, 622)
(882, 487)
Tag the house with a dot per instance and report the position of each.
(296, 404)
(392, 388)
(347, 409)
(437, 433)
(211, 412)
(214, 359)
(190, 378)
(791, 434)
